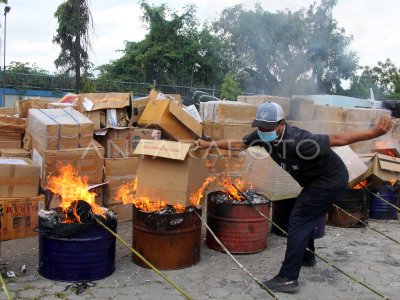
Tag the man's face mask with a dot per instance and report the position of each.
(268, 136)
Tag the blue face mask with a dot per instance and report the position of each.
(269, 136)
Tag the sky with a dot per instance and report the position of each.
(31, 26)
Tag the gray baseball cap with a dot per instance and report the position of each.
(268, 116)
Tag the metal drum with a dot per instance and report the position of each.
(381, 210)
(239, 227)
(280, 215)
(87, 254)
(168, 241)
(354, 202)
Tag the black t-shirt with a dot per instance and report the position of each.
(307, 157)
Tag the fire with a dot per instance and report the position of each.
(126, 194)
(385, 147)
(360, 185)
(70, 187)
(229, 189)
(393, 181)
(196, 197)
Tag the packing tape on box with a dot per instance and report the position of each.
(79, 124)
(59, 127)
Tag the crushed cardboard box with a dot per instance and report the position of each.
(171, 118)
(88, 161)
(180, 172)
(59, 129)
(100, 101)
(19, 177)
(20, 216)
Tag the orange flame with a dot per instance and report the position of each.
(70, 187)
(195, 198)
(385, 146)
(231, 191)
(126, 194)
(393, 181)
(360, 185)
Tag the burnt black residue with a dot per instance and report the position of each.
(249, 195)
(53, 222)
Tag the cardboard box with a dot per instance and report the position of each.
(8, 111)
(100, 101)
(363, 115)
(267, 177)
(169, 171)
(383, 167)
(88, 161)
(117, 171)
(357, 169)
(12, 130)
(14, 153)
(167, 115)
(20, 217)
(23, 106)
(117, 117)
(124, 211)
(58, 129)
(217, 131)
(121, 142)
(230, 112)
(53, 105)
(19, 177)
(138, 105)
(301, 109)
(328, 113)
(259, 99)
(96, 117)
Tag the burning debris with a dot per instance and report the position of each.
(77, 206)
(126, 194)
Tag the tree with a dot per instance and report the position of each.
(287, 52)
(384, 79)
(73, 35)
(169, 51)
(230, 88)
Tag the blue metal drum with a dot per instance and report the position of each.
(88, 254)
(381, 210)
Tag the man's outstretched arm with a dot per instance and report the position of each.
(345, 138)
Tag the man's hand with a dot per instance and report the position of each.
(382, 127)
(201, 144)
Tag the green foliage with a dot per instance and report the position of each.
(73, 36)
(286, 52)
(169, 51)
(384, 79)
(230, 88)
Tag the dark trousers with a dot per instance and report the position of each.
(311, 205)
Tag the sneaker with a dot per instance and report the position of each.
(280, 284)
(309, 262)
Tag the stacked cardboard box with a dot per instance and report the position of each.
(105, 109)
(19, 185)
(12, 130)
(259, 99)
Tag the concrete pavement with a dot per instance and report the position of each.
(361, 252)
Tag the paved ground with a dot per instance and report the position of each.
(372, 258)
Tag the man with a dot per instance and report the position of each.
(309, 159)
